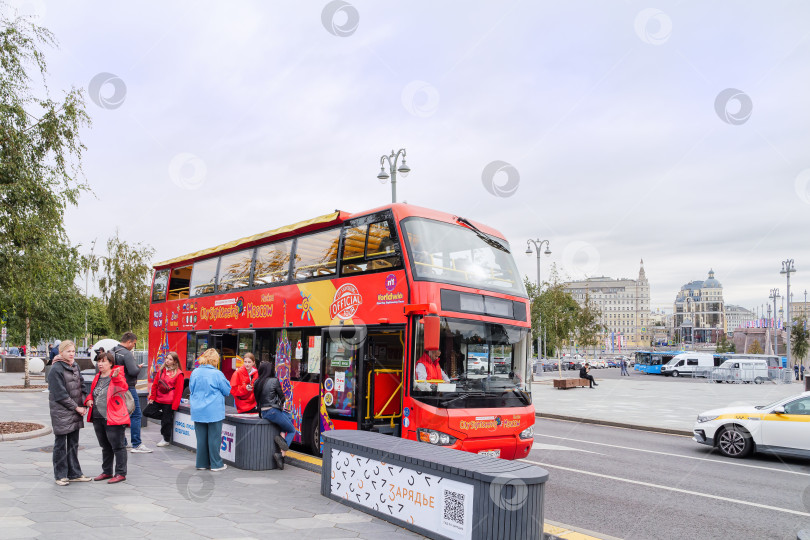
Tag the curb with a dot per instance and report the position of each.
(666, 431)
(27, 435)
(22, 390)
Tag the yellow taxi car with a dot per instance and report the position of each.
(781, 427)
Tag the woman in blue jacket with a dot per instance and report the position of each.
(208, 388)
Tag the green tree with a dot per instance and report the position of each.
(799, 336)
(754, 348)
(555, 309)
(98, 322)
(125, 284)
(725, 346)
(588, 327)
(40, 175)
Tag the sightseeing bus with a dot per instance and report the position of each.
(354, 294)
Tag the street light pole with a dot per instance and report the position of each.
(392, 166)
(538, 245)
(773, 296)
(86, 287)
(787, 269)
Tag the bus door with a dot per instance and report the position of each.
(342, 358)
(226, 343)
(382, 377)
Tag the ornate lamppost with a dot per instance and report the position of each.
(392, 170)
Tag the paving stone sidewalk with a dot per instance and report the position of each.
(164, 496)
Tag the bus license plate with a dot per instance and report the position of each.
(492, 453)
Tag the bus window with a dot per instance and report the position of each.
(204, 277)
(381, 247)
(340, 376)
(159, 285)
(179, 282)
(354, 246)
(316, 255)
(272, 263)
(234, 270)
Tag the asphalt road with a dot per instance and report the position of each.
(635, 484)
(615, 373)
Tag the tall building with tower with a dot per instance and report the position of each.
(624, 304)
(699, 315)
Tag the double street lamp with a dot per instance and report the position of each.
(787, 269)
(774, 295)
(538, 245)
(393, 169)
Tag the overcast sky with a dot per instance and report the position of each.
(675, 132)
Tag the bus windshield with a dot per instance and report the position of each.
(460, 255)
(482, 365)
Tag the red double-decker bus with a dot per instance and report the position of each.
(353, 292)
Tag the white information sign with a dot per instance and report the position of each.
(184, 434)
(428, 501)
(340, 381)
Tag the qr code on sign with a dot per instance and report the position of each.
(453, 509)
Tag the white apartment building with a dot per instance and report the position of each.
(624, 303)
(737, 317)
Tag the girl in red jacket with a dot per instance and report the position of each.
(242, 383)
(167, 389)
(108, 413)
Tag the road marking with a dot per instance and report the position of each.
(541, 446)
(677, 455)
(669, 488)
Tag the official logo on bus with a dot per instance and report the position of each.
(347, 300)
(390, 282)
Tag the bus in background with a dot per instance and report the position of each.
(362, 298)
(652, 361)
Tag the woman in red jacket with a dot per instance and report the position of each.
(242, 383)
(108, 413)
(167, 389)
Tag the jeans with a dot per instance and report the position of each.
(113, 447)
(624, 371)
(284, 422)
(209, 441)
(135, 421)
(66, 456)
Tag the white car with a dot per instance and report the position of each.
(777, 428)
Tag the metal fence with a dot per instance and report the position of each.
(742, 375)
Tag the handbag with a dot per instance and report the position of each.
(130, 401)
(153, 410)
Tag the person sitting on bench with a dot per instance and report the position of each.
(583, 374)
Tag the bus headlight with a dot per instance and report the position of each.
(527, 433)
(434, 437)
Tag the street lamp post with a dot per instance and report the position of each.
(86, 289)
(392, 170)
(538, 245)
(773, 296)
(787, 269)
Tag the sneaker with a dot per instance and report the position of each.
(164, 443)
(202, 468)
(127, 444)
(102, 476)
(279, 460)
(224, 466)
(62, 482)
(81, 478)
(281, 443)
(117, 478)
(141, 449)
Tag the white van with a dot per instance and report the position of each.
(689, 363)
(743, 369)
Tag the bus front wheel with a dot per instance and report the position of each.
(312, 433)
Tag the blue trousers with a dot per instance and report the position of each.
(135, 421)
(284, 422)
(209, 441)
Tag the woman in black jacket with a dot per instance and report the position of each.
(270, 400)
(65, 397)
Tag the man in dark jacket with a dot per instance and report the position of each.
(65, 399)
(124, 357)
(583, 374)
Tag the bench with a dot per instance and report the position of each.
(570, 383)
